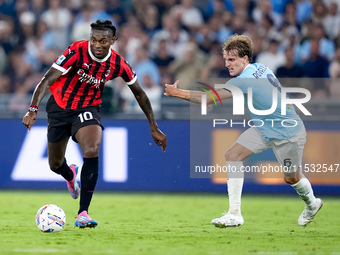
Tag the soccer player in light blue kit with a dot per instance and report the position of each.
(287, 141)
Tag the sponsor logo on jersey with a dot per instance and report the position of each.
(87, 66)
(84, 77)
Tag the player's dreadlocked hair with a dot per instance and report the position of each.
(104, 25)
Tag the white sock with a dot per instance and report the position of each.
(305, 191)
(235, 185)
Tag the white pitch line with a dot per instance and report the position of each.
(37, 250)
(272, 253)
(20, 250)
(110, 251)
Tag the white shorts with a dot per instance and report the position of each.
(288, 152)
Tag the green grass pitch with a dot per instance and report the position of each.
(151, 223)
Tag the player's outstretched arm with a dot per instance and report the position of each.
(171, 90)
(158, 136)
(40, 90)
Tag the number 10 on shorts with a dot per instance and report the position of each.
(85, 116)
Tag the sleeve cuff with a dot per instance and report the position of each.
(132, 81)
(58, 67)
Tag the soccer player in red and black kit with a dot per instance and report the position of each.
(76, 80)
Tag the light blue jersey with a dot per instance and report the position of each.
(262, 81)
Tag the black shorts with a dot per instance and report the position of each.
(65, 123)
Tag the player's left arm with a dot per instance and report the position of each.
(158, 136)
(171, 90)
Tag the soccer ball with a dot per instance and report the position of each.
(50, 218)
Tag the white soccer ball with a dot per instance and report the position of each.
(50, 218)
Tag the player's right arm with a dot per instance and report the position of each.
(40, 90)
(194, 96)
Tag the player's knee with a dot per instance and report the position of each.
(91, 151)
(230, 155)
(55, 163)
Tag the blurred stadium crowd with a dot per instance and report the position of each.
(165, 40)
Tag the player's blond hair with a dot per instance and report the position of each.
(241, 45)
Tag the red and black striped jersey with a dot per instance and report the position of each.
(84, 75)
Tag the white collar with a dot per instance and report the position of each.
(98, 59)
(246, 67)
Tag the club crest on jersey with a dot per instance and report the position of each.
(107, 73)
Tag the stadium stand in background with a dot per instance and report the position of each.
(166, 40)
